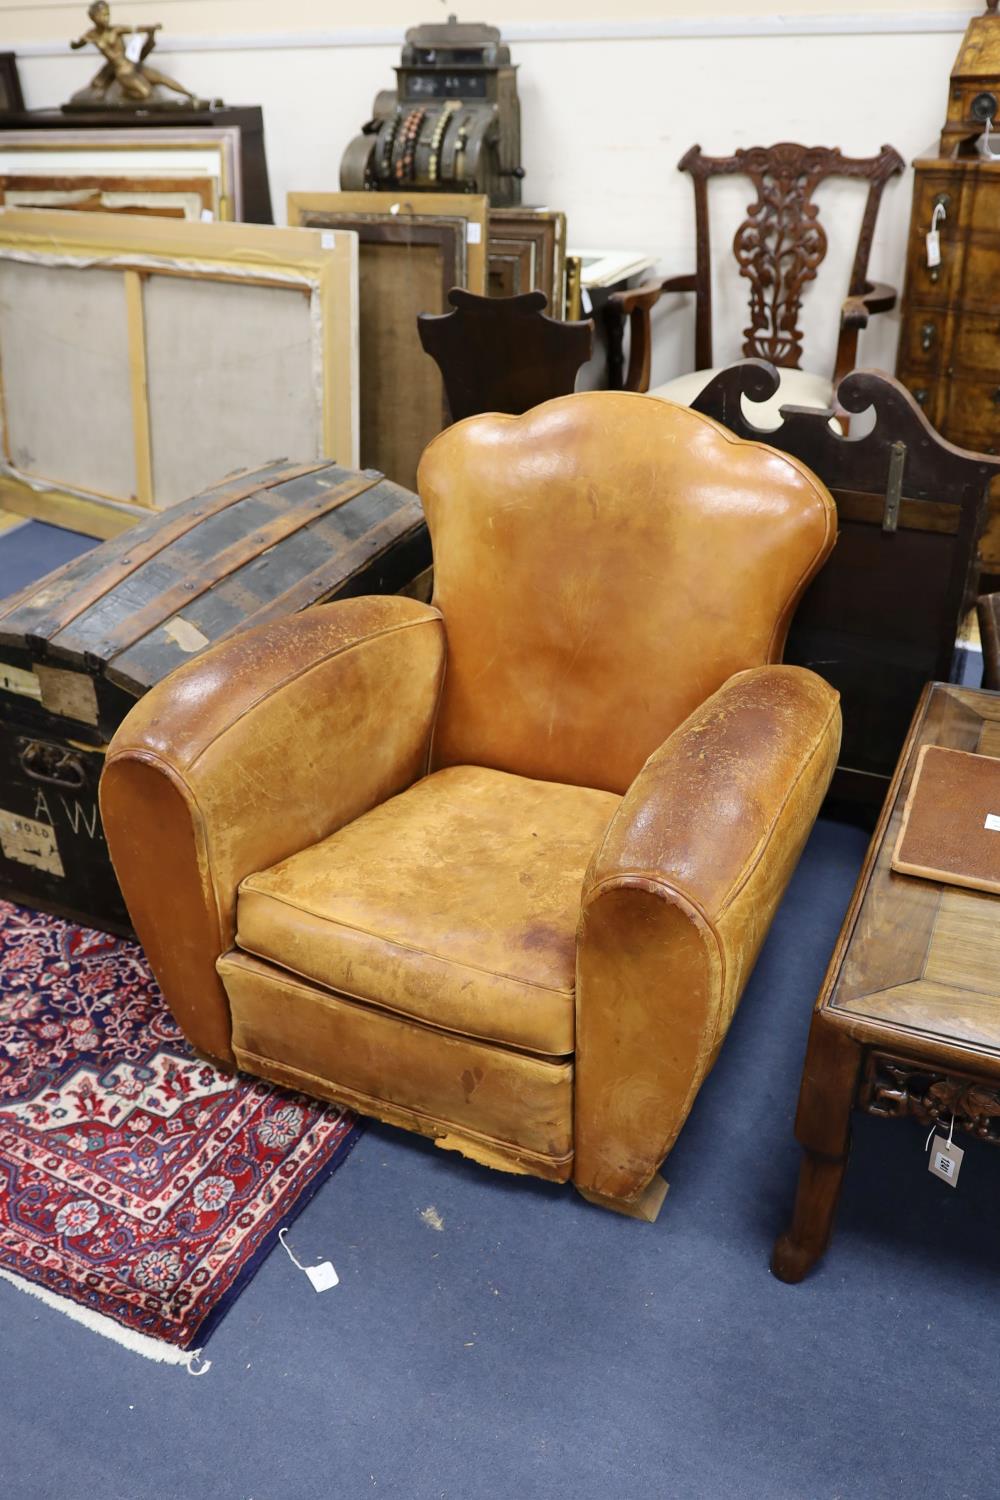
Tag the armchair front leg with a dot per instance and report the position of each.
(258, 748)
(676, 905)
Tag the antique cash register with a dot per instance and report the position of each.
(452, 124)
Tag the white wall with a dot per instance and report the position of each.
(605, 117)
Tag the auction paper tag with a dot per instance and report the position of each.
(323, 1276)
(992, 822)
(946, 1160)
(29, 842)
(934, 247)
(473, 233)
(133, 47)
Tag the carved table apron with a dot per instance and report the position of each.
(908, 1018)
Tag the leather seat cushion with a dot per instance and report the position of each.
(797, 388)
(455, 903)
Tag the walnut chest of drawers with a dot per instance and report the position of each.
(949, 350)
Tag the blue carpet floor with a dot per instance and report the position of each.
(29, 551)
(535, 1348)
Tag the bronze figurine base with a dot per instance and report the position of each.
(113, 98)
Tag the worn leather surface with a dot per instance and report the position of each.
(676, 904)
(603, 564)
(616, 577)
(455, 902)
(263, 745)
(499, 1106)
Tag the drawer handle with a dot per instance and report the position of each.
(53, 765)
(928, 333)
(921, 396)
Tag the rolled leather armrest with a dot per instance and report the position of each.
(261, 746)
(676, 904)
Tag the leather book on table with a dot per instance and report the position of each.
(951, 821)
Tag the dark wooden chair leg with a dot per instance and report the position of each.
(822, 1125)
(796, 1252)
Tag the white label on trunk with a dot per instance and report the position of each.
(185, 635)
(992, 822)
(70, 694)
(474, 234)
(17, 680)
(29, 842)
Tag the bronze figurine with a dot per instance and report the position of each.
(125, 81)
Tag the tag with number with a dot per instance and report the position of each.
(934, 247)
(946, 1160)
(133, 47)
(323, 1276)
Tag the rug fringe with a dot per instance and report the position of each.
(137, 1343)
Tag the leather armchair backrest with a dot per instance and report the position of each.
(603, 564)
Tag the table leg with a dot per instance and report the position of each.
(823, 1128)
(614, 328)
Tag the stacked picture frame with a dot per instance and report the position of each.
(413, 248)
(191, 172)
(527, 253)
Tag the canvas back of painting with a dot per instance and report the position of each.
(142, 359)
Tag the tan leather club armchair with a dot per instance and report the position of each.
(497, 869)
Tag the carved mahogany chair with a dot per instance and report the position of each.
(503, 353)
(779, 248)
(498, 869)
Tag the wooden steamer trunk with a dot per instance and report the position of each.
(79, 647)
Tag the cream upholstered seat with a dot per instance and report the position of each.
(498, 869)
(797, 388)
(778, 250)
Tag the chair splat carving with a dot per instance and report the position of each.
(779, 248)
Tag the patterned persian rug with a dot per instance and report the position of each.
(137, 1184)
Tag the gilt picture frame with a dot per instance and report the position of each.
(527, 252)
(413, 249)
(130, 169)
